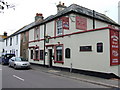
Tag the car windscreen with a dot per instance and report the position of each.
(20, 59)
(9, 55)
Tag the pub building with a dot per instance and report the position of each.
(76, 39)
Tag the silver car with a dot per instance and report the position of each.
(18, 62)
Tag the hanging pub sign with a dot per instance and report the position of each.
(65, 22)
(81, 23)
(114, 47)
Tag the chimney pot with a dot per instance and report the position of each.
(5, 33)
(60, 6)
(39, 17)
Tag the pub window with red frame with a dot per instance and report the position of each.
(61, 24)
(59, 53)
(36, 53)
(31, 54)
(41, 54)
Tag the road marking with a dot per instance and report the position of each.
(18, 77)
(0, 69)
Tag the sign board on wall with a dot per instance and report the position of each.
(114, 47)
(65, 22)
(81, 23)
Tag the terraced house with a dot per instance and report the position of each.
(76, 39)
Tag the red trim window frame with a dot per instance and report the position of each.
(40, 53)
(55, 53)
(64, 24)
(35, 54)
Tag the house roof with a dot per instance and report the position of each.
(83, 11)
(74, 8)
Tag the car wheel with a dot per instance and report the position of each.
(9, 65)
(15, 67)
(3, 63)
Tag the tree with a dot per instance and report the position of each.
(5, 5)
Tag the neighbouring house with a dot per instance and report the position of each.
(77, 39)
(18, 42)
(2, 37)
(12, 44)
(119, 12)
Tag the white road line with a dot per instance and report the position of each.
(18, 77)
(0, 69)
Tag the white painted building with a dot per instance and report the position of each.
(119, 12)
(2, 37)
(12, 44)
(1, 46)
(76, 38)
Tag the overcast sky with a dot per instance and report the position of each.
(25, 10)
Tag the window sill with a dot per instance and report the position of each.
(36, 59)
(41, 59)
(59, 62)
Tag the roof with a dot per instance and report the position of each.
(83, 11)
(74, 8)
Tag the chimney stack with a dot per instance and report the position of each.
(5, 34)
(39, 17)
(60, 6)
(119, 12)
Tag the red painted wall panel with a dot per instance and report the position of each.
(81, 23)
(114, 47)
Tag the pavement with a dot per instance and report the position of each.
(111, 83)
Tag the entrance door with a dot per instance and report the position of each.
(50, 57)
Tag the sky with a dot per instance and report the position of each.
(25, 10)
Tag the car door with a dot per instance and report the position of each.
(12, 60)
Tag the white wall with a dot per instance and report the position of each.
(92, 60)
(14, 47)
(1, 48)
(119, 12)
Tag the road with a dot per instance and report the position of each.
(0, 77)
(37, 79)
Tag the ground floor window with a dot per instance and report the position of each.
(41, 54)
(31, 56)
(67, 53)
(59, 53)
(36, 54)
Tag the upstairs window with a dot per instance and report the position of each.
(24, 37)
(10, 41)
(37, 34)
(62, 24)
(16, 39)
(59, 27)
(6, 42)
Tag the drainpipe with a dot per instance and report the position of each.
(70, 67)
(93, 19)
(44, 41)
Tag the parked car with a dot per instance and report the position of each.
(19, 62)
(5, 58)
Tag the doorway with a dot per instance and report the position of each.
(50, 57)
